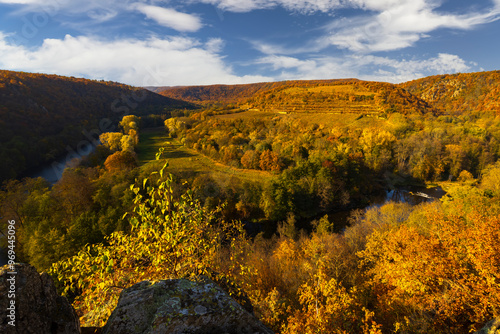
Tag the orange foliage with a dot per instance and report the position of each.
(447, 277)
(270, 161)
(250, 159)
(119, 161)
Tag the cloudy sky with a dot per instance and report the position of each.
(168, 43)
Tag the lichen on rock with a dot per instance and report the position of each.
(180, 306)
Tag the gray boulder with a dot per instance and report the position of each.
(30, 301)
(492, 327)
(180, 306)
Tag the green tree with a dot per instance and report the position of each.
(127, 143)
(112, 140)
(129, 122)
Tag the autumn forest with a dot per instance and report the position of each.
(247, 184)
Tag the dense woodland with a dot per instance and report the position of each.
(458, 93)
(112, 220)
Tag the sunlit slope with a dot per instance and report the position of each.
(457, 93)
(228, 93)
(359, 97)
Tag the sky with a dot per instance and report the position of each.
(201, 42)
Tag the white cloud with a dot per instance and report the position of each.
(101, 14)
(102, 10)
(272, 49)
(239, 6)
(304, 67)
(214, 45)
(170, 18)
(301, 6)
(399, 24)
(153, 62)
(325, 6)
(385, 24)
(19, 2)
(367, 67)
(377, 25)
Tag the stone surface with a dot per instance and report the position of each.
(38, 309)
(492, 327)
(180, 306)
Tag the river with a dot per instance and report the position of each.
(410, 195)
(52, 172)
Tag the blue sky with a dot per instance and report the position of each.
(168, 43)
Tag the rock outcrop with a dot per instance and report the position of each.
(30, 301)
(180, 306)
(492, 327)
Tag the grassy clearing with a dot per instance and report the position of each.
(184, 160)
(150, 141)
(188, 162)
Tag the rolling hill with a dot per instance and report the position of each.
(325, 96)
(216, 93)
(42, 115)
(337, 97)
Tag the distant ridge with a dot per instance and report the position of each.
(333, 96)
(226, 93)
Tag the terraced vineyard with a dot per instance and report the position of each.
(358, 97)
(335, 99)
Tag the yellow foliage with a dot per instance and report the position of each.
(377, 147)
(327, 307)
(112, 140)
(491, 180)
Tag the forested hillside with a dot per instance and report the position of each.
(40, 115)
(458, 93)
